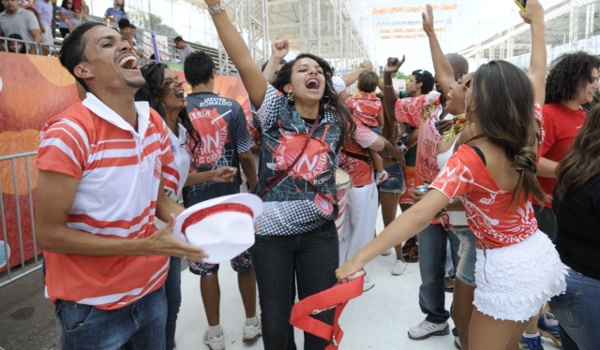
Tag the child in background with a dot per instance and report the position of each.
(366, 108)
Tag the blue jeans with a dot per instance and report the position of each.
(395, 183)
(578, 311)
(138, 326)
(465, 270)
(432, 264)
(310, 259)
(173, 293)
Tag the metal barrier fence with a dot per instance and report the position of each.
(16, 211)
(29, 47)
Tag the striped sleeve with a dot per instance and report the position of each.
(64, 148)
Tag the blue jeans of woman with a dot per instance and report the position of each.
(310, 259)
(173, 292)
(577, 311)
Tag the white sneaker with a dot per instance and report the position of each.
(428, 329)
(369, 284)
(399, 268)
(214, 338)
(251, 330)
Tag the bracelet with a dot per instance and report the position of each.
(216, 9)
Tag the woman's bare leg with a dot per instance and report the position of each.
(486, 333)
(462, 310)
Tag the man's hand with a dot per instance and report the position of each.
(224, 174)
(164, 243)
(394, 64)
(534, 12)
(212, 2)
(280, 49)
(428, 20)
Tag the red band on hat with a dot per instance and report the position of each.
(333, 298)
(215, 209)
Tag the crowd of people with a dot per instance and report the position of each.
(495, 170)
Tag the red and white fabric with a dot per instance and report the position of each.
(119, 170)
(362, 200)
(335, 298)
(366, 108)
(492, 216)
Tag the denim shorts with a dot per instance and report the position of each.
(395, 183)
(465, 271)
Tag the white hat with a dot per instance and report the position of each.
(223, 227)
(339, 85)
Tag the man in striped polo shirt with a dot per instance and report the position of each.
(98, 196)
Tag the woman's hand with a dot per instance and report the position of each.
(350, 270)
(533, 12)
(428, 22)
(224, 174)
(211, 3)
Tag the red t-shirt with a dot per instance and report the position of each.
(491, 215)
(561, 127)
(367, 108)
(354, 158)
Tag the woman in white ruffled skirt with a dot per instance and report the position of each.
(518, 269)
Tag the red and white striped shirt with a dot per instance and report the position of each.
(119, 171)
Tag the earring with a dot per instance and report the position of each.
(291, 98)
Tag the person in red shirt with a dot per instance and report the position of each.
(494, 176)
(99, 193)
(367, 108)
(572, 83)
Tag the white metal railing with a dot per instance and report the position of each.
(25, 265)
(29, 47)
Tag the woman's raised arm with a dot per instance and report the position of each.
(236, 48)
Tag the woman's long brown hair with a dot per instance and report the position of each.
(504, 104)
(583, 162)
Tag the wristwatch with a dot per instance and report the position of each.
(216, 9)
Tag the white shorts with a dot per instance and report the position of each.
(514, 283)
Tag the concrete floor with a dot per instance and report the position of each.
(379, 319)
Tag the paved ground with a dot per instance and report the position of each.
(377, 320)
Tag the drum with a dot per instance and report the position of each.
(343, 184)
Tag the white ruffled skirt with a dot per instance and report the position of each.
(514, 283)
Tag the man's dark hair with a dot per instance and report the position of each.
(124, 23)
(177, 39)
(199, 68)
(368, 81)
(73, 47)
(569, 73)
(459, 64)
(426, 78)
